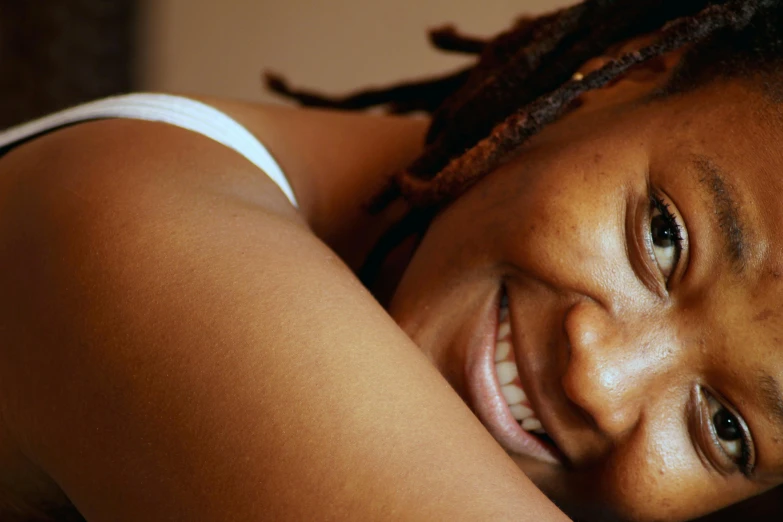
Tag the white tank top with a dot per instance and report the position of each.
(174, 110)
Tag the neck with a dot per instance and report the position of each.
(349, 160)
(337, 163)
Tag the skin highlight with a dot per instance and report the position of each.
(612, 345)
(612, 351)
(753, 51)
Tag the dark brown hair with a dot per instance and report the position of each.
(524, 79)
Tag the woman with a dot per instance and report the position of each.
(596, 275)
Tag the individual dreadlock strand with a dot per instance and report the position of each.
(408, 97)
(514, 84)
(520, 50)
(515, 130)
(481, 113)
(464, 170)
(413, 224)
(388, 194)
(429, 94)
(517, 68)
(424, 95)
(448, 39)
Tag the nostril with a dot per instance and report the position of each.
(597, 399)
(575, 392)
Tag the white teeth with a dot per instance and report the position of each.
(531, 424)
(513, 394)
(502, 349)
(520, 412)
(507, 372)
(504, 330)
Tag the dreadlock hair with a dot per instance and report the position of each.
(524, 79)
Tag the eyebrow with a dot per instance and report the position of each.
(726, 210)
(772, 402)
(772, 396)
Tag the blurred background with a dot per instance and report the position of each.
(57, 53)
(220, 47)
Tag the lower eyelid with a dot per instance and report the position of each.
(695, 424)
(746, 441)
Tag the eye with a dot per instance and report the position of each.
(665, 235)
(730, 434)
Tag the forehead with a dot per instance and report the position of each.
(729, 139)
(740, 131)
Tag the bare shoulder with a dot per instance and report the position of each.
(119, 154)
(179, 345)
(92, 215)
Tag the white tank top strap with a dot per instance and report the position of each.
(174, 110)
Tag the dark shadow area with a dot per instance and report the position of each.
(55, 53)
(764, 508)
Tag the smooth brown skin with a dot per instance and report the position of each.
(181, 345)
(610, 351)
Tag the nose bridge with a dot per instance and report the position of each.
(616, 362)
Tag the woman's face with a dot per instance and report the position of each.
(640, 251)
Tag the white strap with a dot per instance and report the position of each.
(174, 110)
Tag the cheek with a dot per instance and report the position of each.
(657, 476)
(454, 258)
(564, 225)
(648, 481)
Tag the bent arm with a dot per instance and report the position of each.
(174, 352)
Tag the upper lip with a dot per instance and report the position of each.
(544, 412)
(485, 395)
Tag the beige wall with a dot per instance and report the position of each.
(220, 47)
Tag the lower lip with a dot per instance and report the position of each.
(488, 402)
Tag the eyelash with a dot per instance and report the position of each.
(666, 212)
(744, 462)
(671, 223)
(657, 203)
(745, 465)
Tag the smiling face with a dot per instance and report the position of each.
(640, 251)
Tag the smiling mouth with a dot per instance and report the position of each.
(499, 397)
(507, 374)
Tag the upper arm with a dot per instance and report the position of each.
(176, 350)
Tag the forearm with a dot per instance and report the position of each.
(185, 356)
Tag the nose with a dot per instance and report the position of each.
(614, 365)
